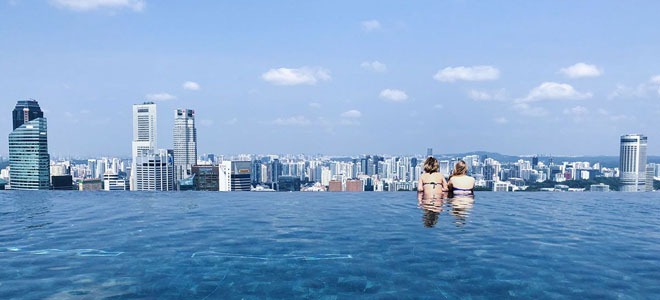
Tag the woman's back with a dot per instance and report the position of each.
(461, 185)
(462, 182)
(432, 185)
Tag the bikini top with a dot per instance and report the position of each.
(462, 191)
(432, 182)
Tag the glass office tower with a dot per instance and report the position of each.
(29, 162)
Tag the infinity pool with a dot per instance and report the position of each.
(205, 245)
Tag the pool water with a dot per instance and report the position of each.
(205, 245)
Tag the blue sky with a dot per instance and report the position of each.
(338, 77)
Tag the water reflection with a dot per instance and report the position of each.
(458, 207)
(431, 211)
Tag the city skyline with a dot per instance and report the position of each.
(339, 79)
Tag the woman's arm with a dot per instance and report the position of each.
(420, 190)
(420, 184)
(450, 188)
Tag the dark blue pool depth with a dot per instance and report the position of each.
(190, 245)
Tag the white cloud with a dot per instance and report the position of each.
(231, 121)
(351, 114)
(160, 97)
(191, 85)
(655, 79)
(315, 105)
(304, 75)
(394, 95)
(87, 5)
(292, 121)
(475, 73)
(554, 90)
(370, 25)
(581, 70)
(486, 95)
(375, 66)
(613, 118)
(528, 110)
(620, 91)
(501, 120)
(650, 87)
(577, 111)
(438, 106)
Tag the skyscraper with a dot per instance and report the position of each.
(632, 163)
(28, 148)
(154, 172)
(240, 175)
(144, 135)
(144, 128)
(185, 142)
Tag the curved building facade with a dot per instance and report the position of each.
(632, 163)
(29, 161)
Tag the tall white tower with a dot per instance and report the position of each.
(144, 129)
(632, 163)
(144, 134)
(185, 142)
(154, 172)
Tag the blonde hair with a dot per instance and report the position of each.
(431, 165)
(460, 168)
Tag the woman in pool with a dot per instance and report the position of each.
(432, 184)
(460, 184)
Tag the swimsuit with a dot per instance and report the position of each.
(461, 191)
(432, 182)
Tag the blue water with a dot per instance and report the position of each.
(205, 245)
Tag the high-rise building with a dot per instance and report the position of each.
(144, 128)
(185, 142)
(205, 177)
(29, 160)
(649, 178)
(26, 110)
(256, 172)
(112, 182)
(225, 176)
(288, 184)
(154, 172)
(275, 172)
(144, 134)
(240, 176)
(632, 163)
